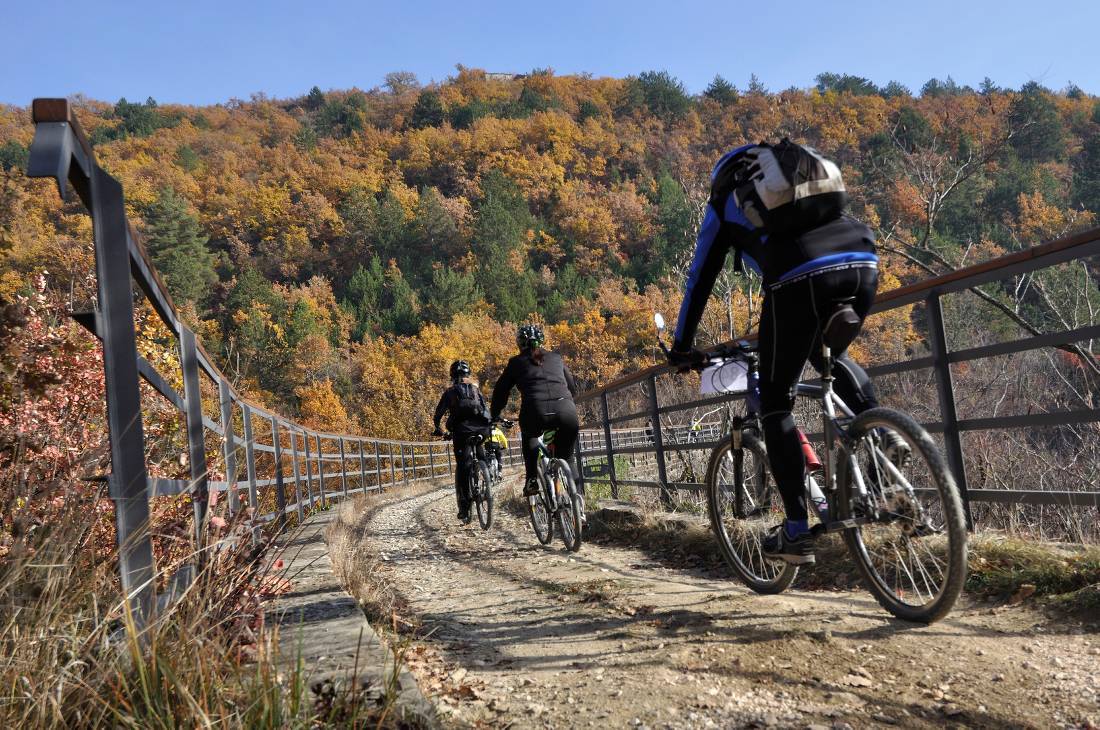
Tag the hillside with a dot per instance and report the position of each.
(338, 250)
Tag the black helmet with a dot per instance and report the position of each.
(530, 335)
(460, 369)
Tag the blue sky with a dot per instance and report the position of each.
(202, 51)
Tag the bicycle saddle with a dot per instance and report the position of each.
(841, 327)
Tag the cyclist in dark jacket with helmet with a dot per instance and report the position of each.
(467, 417)
(546, 388)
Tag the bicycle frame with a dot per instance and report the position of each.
(834, 433)
(470, 448)
(546, 463)
(833, 409)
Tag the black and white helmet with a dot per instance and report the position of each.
(530, 335)
(460, 369)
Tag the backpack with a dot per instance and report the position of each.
(785, 188)
(468, 405)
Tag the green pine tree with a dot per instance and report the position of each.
(500, 228)
(450, 292)
(179, 248)
(721, 91)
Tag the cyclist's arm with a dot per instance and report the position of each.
(501, 392)
(710, 255)
(440, 409)
(716, 236)
(570, 381)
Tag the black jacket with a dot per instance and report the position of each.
(538, 384)
(455, 422)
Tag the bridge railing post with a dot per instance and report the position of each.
(250, 471)
(298, 468)
(308, 449)
(343, 470)
(229, 446)
(280, 487)
(393, 468)
(196, 437)
(609, 448)
(321, 498)
(59, 150)
(378, 465)
(362, 468)
(658, 441)
(945, 389)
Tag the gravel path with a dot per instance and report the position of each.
(515, 634)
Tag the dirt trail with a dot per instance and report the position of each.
(528, 636)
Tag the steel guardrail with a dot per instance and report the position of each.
(307, 468)
(930, 292)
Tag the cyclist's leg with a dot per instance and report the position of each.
(462, 476)
(565, 440)
(530, 432)
(852, 383)
(788, 330)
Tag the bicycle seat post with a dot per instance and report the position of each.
(827, 363)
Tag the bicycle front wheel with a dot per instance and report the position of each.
(485, 497)
(744, 504)
(539, 513)
(570, 507)
(911, 550)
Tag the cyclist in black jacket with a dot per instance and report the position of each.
(467, 416)
(546, 388)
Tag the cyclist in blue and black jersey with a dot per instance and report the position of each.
(807, 273)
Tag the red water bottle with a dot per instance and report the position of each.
(813, 464)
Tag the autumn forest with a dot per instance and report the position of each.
(336, 251)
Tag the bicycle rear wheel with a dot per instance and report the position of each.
(540, 514)
(485, 496)
(569, 505)
(912, 551)
(744, 504)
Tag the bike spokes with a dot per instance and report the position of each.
(912, 537)
(744, 508)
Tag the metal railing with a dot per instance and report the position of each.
(639, 391)
(288, 469)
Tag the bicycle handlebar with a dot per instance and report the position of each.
(740, 350)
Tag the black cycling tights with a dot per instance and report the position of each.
(791, 321)
(560, 415)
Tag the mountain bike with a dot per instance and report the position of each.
(901, 518)
(558, 498)
(478, 486)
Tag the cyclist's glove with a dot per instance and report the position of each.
(684, 360)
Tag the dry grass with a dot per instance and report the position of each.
(357, 566)
(1066, 576)
(71, 656)
(1060, 576)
